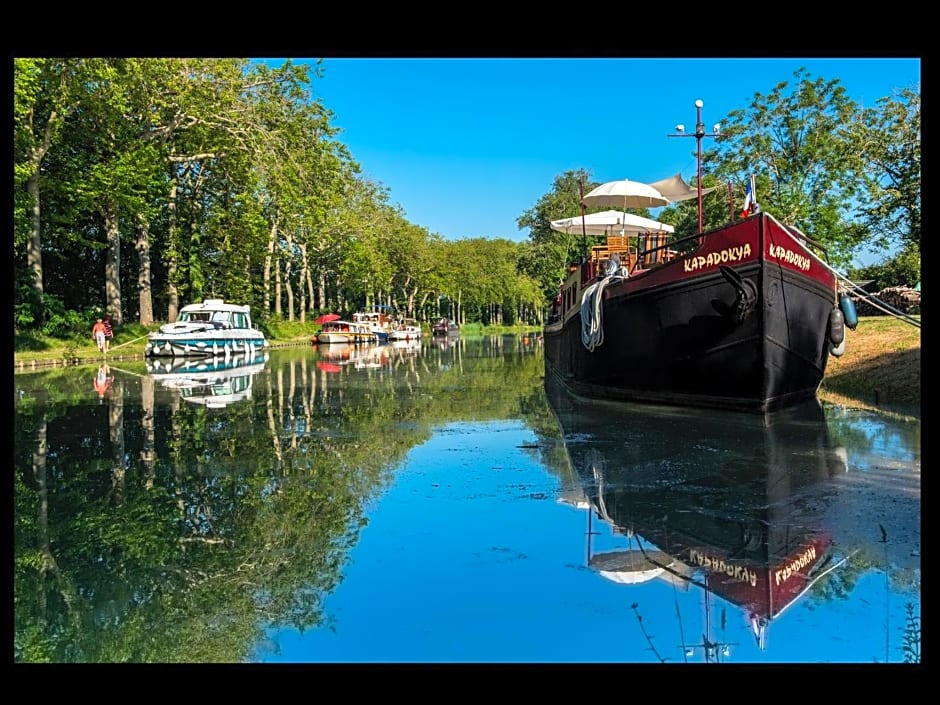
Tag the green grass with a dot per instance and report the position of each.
(880, 368)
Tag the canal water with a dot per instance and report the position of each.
(437, 502)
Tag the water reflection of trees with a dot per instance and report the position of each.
(149, 530)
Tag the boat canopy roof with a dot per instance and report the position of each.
(215, 305)
(675, 188)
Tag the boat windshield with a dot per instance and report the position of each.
(194, 316)
(230, 318)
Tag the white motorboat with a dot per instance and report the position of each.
(210, 328)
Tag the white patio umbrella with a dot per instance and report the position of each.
(610, 223)
(625, 194)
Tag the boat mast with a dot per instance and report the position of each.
(584, 247)
(699, 134)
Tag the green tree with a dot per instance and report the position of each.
(888, 136)
(901, 270)
(43, 99)
(798, 143)
(548, 252)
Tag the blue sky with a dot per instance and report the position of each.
(466, 145)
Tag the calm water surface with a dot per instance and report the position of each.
(439, 503)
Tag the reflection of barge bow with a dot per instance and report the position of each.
(735, 511)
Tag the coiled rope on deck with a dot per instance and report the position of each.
(592, 317)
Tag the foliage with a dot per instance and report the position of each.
(845, 176)
(548, 252)
(57, 321)
(888, 136)
(794, 140)
(911, 637)
(901, 270)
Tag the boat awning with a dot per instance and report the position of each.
(676, 189)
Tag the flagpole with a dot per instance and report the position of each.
(750, 203)
(583, 221)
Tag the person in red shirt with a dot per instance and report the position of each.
(108, 333)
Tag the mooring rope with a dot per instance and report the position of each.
(592, 317)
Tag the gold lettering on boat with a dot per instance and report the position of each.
(795, 566)
(717, 564)
(779, 252)
(713, 259)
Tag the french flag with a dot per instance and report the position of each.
(748, 200)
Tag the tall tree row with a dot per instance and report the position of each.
(144, 184)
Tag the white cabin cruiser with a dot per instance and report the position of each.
(210, 328)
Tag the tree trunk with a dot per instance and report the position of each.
(34, 246)
(277, 286)
(321, 288)
(144, 286)
(112, 267)
(172, 265)
(411, 302)
(304, 278)
(289, 289)
(267, 267)
(195, 274)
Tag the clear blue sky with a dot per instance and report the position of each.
(466, 145)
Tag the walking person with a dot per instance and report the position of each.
(98, 333)
(108, 333)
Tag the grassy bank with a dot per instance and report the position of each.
(879, 370)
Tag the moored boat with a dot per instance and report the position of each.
(210, 328)
(405, 329)
(743, 317)
(379, 320)
(348, 332)
(445, 326)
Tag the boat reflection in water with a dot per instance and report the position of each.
(403, 347)
(732, 510)
(360, 357)
(213, 382)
